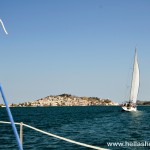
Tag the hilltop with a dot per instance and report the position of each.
(68, 100)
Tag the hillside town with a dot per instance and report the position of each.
(65, 100)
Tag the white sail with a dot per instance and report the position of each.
(135, 81)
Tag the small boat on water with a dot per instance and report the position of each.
(131, 104)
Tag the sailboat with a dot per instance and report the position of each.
(131, 104)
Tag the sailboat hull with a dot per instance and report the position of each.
(129, 108)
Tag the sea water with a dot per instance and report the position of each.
(93, 125)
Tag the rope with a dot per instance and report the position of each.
(65, 139)
(3, 26)
(9, 122)
(59, 137)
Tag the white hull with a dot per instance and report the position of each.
(129, 108)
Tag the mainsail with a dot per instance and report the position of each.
(135, 80)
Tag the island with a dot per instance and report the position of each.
(65, 100)
(143, 103)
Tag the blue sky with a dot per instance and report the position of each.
(81, 47)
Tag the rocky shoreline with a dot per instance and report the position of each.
(66, 100)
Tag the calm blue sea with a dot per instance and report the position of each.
(94, 125)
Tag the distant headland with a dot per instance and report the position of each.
(66, 100)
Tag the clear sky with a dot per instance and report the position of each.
(79, 47)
